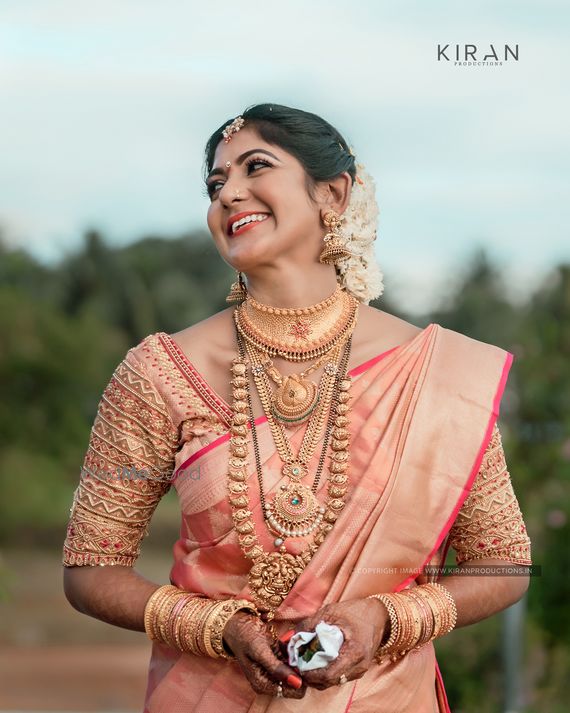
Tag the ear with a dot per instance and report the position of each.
(335, 194)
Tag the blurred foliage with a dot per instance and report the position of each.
(64, 328)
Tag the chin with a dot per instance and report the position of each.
(248, 256)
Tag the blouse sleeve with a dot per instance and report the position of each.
(126, 471)
(490, 523)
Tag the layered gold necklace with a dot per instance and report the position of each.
(294, 510)
(296, 335)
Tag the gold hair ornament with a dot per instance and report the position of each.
(233, 128)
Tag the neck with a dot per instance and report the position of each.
(293, 288)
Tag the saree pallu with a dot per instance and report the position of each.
(421, 416)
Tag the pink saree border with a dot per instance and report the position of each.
(370, 363)
(213, 444)
(474, 469)
(439, 678)
(349, 704)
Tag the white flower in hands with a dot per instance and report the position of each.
(309, 650)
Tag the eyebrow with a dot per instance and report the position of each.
(220, 171)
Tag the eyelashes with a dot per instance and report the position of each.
(214, 186)
(252, 160)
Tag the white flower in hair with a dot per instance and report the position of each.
(360, 273)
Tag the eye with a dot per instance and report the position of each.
(253, 161)
(213, 187)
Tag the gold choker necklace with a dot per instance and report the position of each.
(297, 334)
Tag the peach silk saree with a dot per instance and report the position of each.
(422, 416)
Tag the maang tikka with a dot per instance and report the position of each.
(238, 290)
(335, 248)
(232, 128)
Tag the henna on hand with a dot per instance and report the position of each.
(363, 623)
(250, 641)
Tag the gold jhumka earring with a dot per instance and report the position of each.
(238, 290)
(335, 249)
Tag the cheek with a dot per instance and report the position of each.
(210, 217)
(213, 220)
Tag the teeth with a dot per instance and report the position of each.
(248, 219)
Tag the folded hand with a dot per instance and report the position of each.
(362, 622)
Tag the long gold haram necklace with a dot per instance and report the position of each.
(295, 510)
(273, 574)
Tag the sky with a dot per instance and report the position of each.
(106, 107)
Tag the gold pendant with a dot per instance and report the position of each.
(294, 399)
(294, 511)
(272, 577)
(295, 470)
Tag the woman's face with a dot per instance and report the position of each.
(268, 184)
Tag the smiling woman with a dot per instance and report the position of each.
(339, 450)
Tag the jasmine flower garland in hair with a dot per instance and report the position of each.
(360, 273)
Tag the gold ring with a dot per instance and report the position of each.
(279, 691)
(343, 679)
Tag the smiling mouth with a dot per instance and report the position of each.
(249, 221)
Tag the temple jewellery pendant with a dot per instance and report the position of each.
(295, 397)
(293, 512)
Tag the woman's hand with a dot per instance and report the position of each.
(251, 643)
(363, 623)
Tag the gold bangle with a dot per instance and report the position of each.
(180, 634)
(452, 610)
(229, 608)
(206, 633)
(408, 624)
(174, 618)
(188, 625)
(439, 606)
(164, 612)
(434, 603)
(386, 648)
(151, 605)
(195, 627)
(428, 621)
(442, 604)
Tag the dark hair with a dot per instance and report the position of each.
(318, 146)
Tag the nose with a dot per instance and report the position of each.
(230, 193)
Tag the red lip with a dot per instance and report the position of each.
(239, 216)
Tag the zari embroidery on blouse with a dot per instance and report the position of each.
(490, 523)
(126, 471)
(184, 386)
(167, 349)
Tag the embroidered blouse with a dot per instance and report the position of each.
(156, 403)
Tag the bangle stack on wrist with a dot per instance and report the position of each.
(190, 623)
(416, 616)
